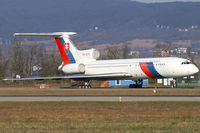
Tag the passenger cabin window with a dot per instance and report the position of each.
(186, 62)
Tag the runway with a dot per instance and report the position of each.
(97, 98)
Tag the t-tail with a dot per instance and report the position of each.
(73, 60)
(67, 50)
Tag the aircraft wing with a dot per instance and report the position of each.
(79, 77)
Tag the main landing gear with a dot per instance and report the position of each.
(85, 84)
(138, 84)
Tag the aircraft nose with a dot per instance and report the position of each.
(195, 69)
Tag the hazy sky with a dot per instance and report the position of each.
(149, 1)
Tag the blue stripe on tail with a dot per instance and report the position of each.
(68, 52)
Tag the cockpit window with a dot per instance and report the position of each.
(186, 62)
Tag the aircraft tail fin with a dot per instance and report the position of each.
(68, 51)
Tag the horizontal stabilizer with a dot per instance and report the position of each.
(55, 34)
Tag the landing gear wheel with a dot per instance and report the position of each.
(86, 85)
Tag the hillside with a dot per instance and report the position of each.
(102, 21)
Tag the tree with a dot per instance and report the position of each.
(125, 50)
(30, 57)
(162, 48)
(111, 52)
(3, 64)
(48, 61)
(18, 59)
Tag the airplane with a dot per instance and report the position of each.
(84, 66)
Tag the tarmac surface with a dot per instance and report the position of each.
(96, 98)
(30, 94)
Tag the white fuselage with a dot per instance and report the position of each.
(143, 67)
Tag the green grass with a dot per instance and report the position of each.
(100, 117)
(104, 125)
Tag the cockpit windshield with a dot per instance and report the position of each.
(186, 62)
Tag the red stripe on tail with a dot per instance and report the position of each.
(146, 70)
(64, 56)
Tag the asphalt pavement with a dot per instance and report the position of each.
(97, 98)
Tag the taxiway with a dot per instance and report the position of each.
(96, 98)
